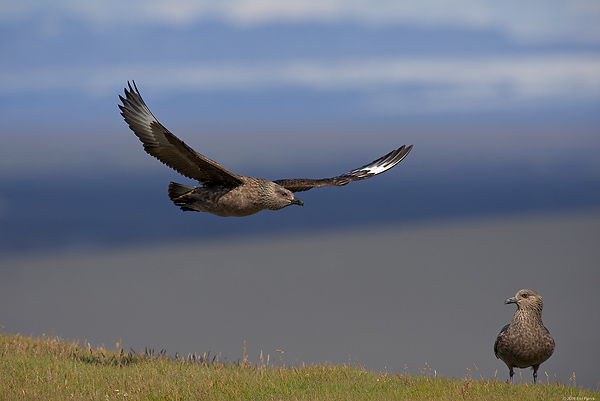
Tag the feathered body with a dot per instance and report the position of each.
(525, 341)
(254, 195)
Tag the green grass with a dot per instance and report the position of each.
(53, 369)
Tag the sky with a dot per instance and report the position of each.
(500, 100)
(487, 92)
(540, 50)
(288, 74)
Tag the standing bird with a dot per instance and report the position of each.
(525, 341)
(222, 192)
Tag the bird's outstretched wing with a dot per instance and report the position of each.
(367, 171)
(167, 148)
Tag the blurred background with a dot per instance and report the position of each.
(501, 191)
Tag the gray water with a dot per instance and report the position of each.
(422, 297)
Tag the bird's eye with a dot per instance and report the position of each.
(525, 295)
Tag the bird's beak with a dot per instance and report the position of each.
(297, 201)
(511, 300)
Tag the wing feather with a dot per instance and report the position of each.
(502, 333)
(378, 166)
(167, 148)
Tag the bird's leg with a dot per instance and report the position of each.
(512, 372)
(535, 369)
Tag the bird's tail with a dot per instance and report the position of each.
(176, 190)
(180, 195)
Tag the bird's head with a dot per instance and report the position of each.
(526, 300)
(280, 197)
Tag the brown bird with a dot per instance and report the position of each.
(525, 341)
(222, 192)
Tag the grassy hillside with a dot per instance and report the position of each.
(53, 369)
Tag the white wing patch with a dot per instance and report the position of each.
(374, 168)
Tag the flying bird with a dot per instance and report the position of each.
(223, 192)
(525, 341)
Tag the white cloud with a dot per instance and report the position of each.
(434, 82)
(541, 21)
